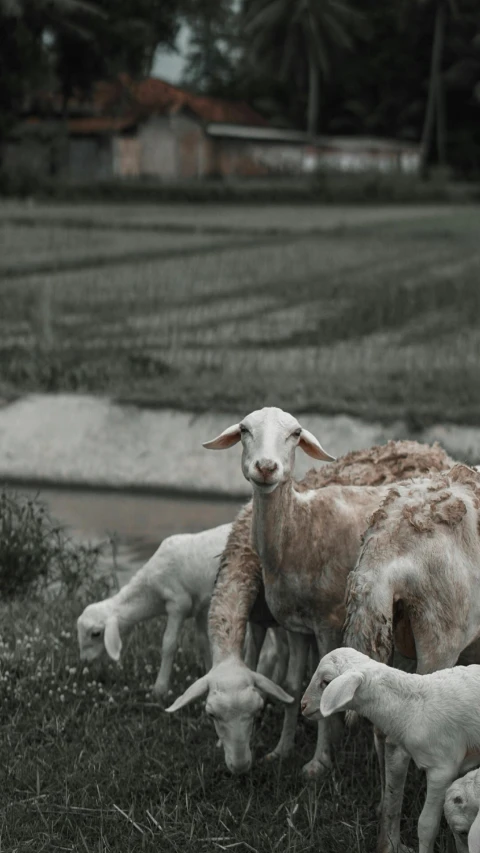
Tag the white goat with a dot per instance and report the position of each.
(304, 540)
(462, 810)
(433, 717)
(177, 581)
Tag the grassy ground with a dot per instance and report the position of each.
(88, 762)
(378, 320)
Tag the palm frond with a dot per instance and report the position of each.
(16, 8)
(267, 16)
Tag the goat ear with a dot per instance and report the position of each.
(226, 439)
(198, 688)
(340, 692)
(474, 835)
(312, 446)
(112, 639)
(271, 689)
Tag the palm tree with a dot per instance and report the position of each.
(315, 27)
(435, 111)
(17, 8)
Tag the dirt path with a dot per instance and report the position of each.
(90, 441)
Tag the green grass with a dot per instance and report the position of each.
(88, 762)
(381, 321)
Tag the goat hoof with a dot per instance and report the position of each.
(314, 769)
(160, 695)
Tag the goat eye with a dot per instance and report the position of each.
(243, 429)
(325, 682)
(297, 433)
(97, 633)
(211, 715)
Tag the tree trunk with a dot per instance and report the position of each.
(433, 86)
(441, 123)
(313, 92)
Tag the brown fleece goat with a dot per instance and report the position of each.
(420, 559)
(313, 596)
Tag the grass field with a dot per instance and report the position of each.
(90, 763)
(377, 317)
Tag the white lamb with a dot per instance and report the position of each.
(177, 581)
(462, 810)
(433, 717)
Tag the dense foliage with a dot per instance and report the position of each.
(409, 69)
(370, 65)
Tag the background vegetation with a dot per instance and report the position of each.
(409, 69)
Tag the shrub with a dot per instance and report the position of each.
(35, 553)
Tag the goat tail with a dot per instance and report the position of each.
(368, 624)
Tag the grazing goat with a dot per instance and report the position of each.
(305, 539)
(416, 585)
(433, 717)
(462, 810)
(177, 581)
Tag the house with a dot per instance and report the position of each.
(149, 128)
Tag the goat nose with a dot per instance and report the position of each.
(303, 705)
(266, 467)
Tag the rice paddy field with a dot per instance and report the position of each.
(371, 312)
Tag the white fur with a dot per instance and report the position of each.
(236, 696)
(177, 581)
(462, 811)
(433, 717)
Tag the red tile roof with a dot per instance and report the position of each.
(100, 124)
(127, 98)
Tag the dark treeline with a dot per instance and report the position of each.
(408, 69)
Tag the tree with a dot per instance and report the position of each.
(213, 48)
(435, 109)
(454, 63)
(68, 44)
(310, 28)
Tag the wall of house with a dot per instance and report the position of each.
(90, 158)
(126, 156)
(36, 151)
(362, 160)
(248, 158)
(254, 158)
(157, 155)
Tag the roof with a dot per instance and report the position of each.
(271, 134)
(99, 124)
(276, 134)
(370, 143)
(138, 99)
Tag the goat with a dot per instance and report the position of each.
(434, 718)
(305, 539)
(462, 811)
(415, 586)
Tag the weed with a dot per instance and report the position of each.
(35, 553)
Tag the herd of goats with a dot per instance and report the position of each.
(371, 562)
